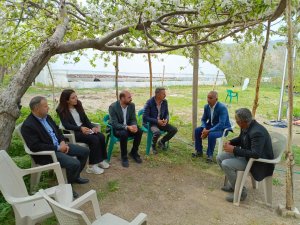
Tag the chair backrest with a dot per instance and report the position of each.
(229, 92)
(278, 144)
(12, 183)
(106, 119)
(66, 215)
(18, 129)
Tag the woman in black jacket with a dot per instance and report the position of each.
(73, 117)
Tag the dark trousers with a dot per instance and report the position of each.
(96, 143)
(123, 135)
(212, 138)
(171, 131)
(73, 165)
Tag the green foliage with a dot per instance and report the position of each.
(276, 182)
(113, 186)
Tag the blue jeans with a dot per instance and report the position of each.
(212, 137)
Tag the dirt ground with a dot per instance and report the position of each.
(184, 195)
(181, 194)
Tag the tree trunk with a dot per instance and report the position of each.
(261, 67)
(195, 87)
(117, 76)
(3, 70)
(289, 153)
(11, 96)
(150, 71)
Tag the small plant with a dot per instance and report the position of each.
(113, 186)
(276, 182)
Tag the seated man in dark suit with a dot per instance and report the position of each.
(254, 141)
(214, 121)
(122, 118)
(156, 112)
(42, 134)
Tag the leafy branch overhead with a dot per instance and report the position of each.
(125, 25)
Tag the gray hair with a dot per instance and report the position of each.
(35, 101)
(159, 89)
(244, 114)
(214, 93)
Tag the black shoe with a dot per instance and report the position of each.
(154, 150)
(75, 195)
(80, 180)
(136, 158)
(197, 154)
(162, 145)
(227, 189)
(125, 163)
(209, 159)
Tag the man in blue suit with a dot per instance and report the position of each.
(214, 120)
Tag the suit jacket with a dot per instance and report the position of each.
(150, 111)
(220, 119)
(116, 118)
(256, 143)
(70, 124)
(38, 139)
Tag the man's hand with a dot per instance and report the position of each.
(85, 130)
(205, 133)
(64, 147)
(132, 128)
(95, 130)
(162, 122)
(228, 147)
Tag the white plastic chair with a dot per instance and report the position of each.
(35, 178)
(278, 144)
(28, 209)
(70, 215)
(221, 139)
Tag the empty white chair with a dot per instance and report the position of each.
(69, 215)
(278, 144)
(28, 209)
(35, 178)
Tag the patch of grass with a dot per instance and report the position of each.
(276, 182)
(296, 151)
(113, 186)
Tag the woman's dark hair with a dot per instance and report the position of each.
(63, 107)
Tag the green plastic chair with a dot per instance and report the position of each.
(146, 128)
(232, 94)
(111, 138)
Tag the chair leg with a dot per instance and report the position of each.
(220, 145)
(110, 149)
(34, 180)
(239, 184)
(149, 142)
(254, 183)
(267, 184)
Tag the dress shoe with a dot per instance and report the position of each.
(75, 195)
(227, 189)
(209, 159)
(197, 154)
(162, 145)
(80, 180)
(136, 157)
(229, 198)
(125, 163)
